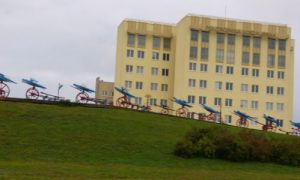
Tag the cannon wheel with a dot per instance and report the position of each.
(164, 111)
(296, 132)
(82, 97)
(32, 93)
(240, 123)
(121, 102)
(181, 112)
(210, 117)
(4, 90)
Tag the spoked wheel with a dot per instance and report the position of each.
(82, 97)
(210, 117)
(181, 112)
(32, 93)
(296, 132)
(164, 111)
(242, 123)
(4, 90)
(122, 102)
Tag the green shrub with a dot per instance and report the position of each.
(185, 149)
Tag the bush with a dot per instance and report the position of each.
(185, 149)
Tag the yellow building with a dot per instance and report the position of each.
(241, 65)
(104, 91)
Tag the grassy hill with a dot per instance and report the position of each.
(57, 142)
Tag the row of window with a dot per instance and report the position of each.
(229, 86)
(231, 40)
(141, 41)
(141, 55)
(243, 103)
(230, 70)
(230, 58)
(140, 85)
(140, 70)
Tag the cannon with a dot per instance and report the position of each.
(164, 109)
(243, 119)
(296, 130)
(33, 92)
(212, 113)
(83, 95)
(4, 88)
(183, 110)
(271, 124)
(124, 101)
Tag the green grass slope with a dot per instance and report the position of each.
(56, 142)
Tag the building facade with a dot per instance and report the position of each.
(223, 63)
(104, 91)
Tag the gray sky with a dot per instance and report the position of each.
(74, 41)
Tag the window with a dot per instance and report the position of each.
(270, 74)
(269, 106)
(218, 85)
(203, 67)
(254, 104)
(271, 60)
(131, 39)
(245, 71)
(231, 39)
(194, 35)
(244, 87)
(192, 66)
(128, 84)
(193, 52)
(228, 119)
(165, 72)
(154, 71)
(230, 56)
(167, 43)
(130, 53)
(164, 87)
(280, 75)
(228, 102)
(256, 59)
(282, 44)
(218, 101)
(255, 88)
(271, 43)
(219, 69)
(280, 91)
(156, 42)
(155, 55)
(166, 56)
(220, 38)
(191, 99)
(280, 107)
(229, 86)
(138, 100)
(202, 100)
(230, 70)
(153, 101)
(281, 61)
(204, 53)
(203, 84)
(205, 36)
(244, 104)
(141, 54)
(154, 86)
(246, 41)
(220, 55)
(140, 69)
(141, 40)
(245, 58)
(192, 83)
(270, 89)
(164, 102)
(129, 68)
(139, 85)
(255, 72)
(279, 122)
(256, 42)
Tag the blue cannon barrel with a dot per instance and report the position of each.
(82, 88)
(124, 92)
(182, 102)
(210, 109)
(270, 118)
(295, 124)
(33, 82)
(3, 78)
(244, 115)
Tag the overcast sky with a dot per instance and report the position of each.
(74, 41)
